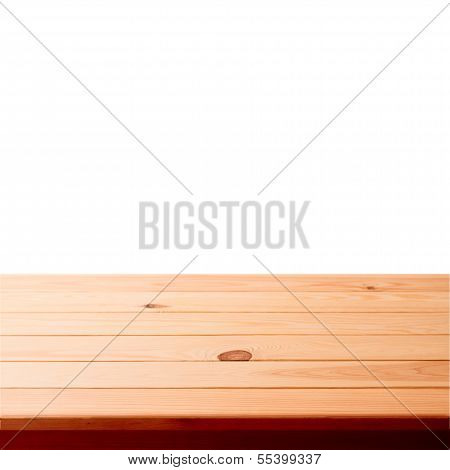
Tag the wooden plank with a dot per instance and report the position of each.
(211, 302)
(208, 348)
(141, 409)
(155, 323)
(134, 423)
(311, 374)
(26, 284)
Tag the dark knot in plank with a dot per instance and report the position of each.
(154, 306)
(237, 355)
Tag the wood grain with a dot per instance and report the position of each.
(337, 424)
(317, 374)
(156, 323)
(29, 284)
(242, 302)
(208, 348)
(137, 405)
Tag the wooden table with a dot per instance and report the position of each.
(101, 355)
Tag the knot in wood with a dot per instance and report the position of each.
(236, 355)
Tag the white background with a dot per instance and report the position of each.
(224, 93)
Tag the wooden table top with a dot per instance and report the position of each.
(223, 350)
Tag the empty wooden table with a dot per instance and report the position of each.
(305, 355)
